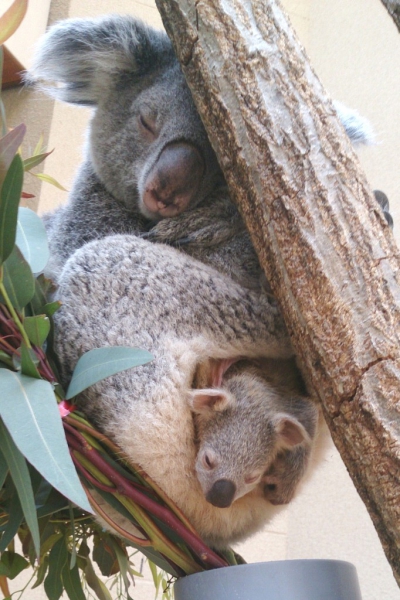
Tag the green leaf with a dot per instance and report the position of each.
(39, 299)
(37, 328)
(53, 584)
(3, 469)
(95, 583)
(41, 572)
(51, 308)
(11, 564)
(11, 19)
(9, 199)
(28, 362)
(9, 145)
(18, 279)
(105, 557)
(72, 583)
(49, 179)
(32, 239)
(123, 562)
(34, 422)
(99, 363)
(35, 160)
(20, 475)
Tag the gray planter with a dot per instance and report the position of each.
(280, 580)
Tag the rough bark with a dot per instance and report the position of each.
(393, 8)
(331, 259)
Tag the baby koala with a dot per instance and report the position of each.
(253, 428)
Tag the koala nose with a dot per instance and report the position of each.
(222, 493)
(174, 180)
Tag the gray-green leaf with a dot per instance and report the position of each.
(18, 279)
(20, 475)
(58, 557)
(99, 363)
(37, 328)
(10, 196)
(29, 410)
(32, 239)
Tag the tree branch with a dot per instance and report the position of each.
(393, 8)
(326, 249)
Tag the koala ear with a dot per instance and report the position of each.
(218, 368)
(290, 431)
(358, 128)
(79, 60)
(207, 402)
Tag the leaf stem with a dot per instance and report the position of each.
(13, 311)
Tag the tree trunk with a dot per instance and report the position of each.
(321, 238)
(393, 8)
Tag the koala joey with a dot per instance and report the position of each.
(208, 431)
(253, 426)
(148, 157)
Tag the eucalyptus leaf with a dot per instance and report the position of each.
(15, 518)
(35, 160)
(105, 557)
(9, 145)
(95, 583)
(18, 279)
(37, 328)
(10, 196)
(72, 582)
(3, 469)
(28, 362)
(49, 179)
(31, 239)
(99, 363)
(34, 422)
(20, 475)
(11, 19)
(11, 564)
(58, 558)
(51, 307)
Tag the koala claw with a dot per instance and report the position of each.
(383, 202)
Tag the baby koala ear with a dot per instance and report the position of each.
(206, 402)
(290, 431)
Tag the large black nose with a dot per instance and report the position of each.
(221, 493)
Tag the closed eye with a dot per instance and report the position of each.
(252, 478)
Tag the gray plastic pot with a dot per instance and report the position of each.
(280, 580)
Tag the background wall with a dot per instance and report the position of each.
(355, 49)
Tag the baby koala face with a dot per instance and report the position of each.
(243, 427)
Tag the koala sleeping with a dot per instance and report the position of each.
(150, 171)
(148, 156)
(211, 449)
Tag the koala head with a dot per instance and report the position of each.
(147, 143)
(242, 427)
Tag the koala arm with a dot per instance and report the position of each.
(91, 213)
(155, 292)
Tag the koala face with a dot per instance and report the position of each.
(149, 146)
(147, 143)
(241, 430)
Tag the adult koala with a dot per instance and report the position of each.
(148, 156)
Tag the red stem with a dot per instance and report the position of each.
(127, 488)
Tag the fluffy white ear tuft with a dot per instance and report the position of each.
(290, 431)
(208, 401)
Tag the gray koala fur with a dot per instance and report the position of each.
(144, 111)
(148, 156)
(152, 412)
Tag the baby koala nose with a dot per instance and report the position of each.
(222, 493)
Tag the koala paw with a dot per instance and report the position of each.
(383, 202)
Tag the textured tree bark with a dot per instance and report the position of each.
(393, 8)
(331, 259)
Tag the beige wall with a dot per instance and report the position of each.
(355, 49)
